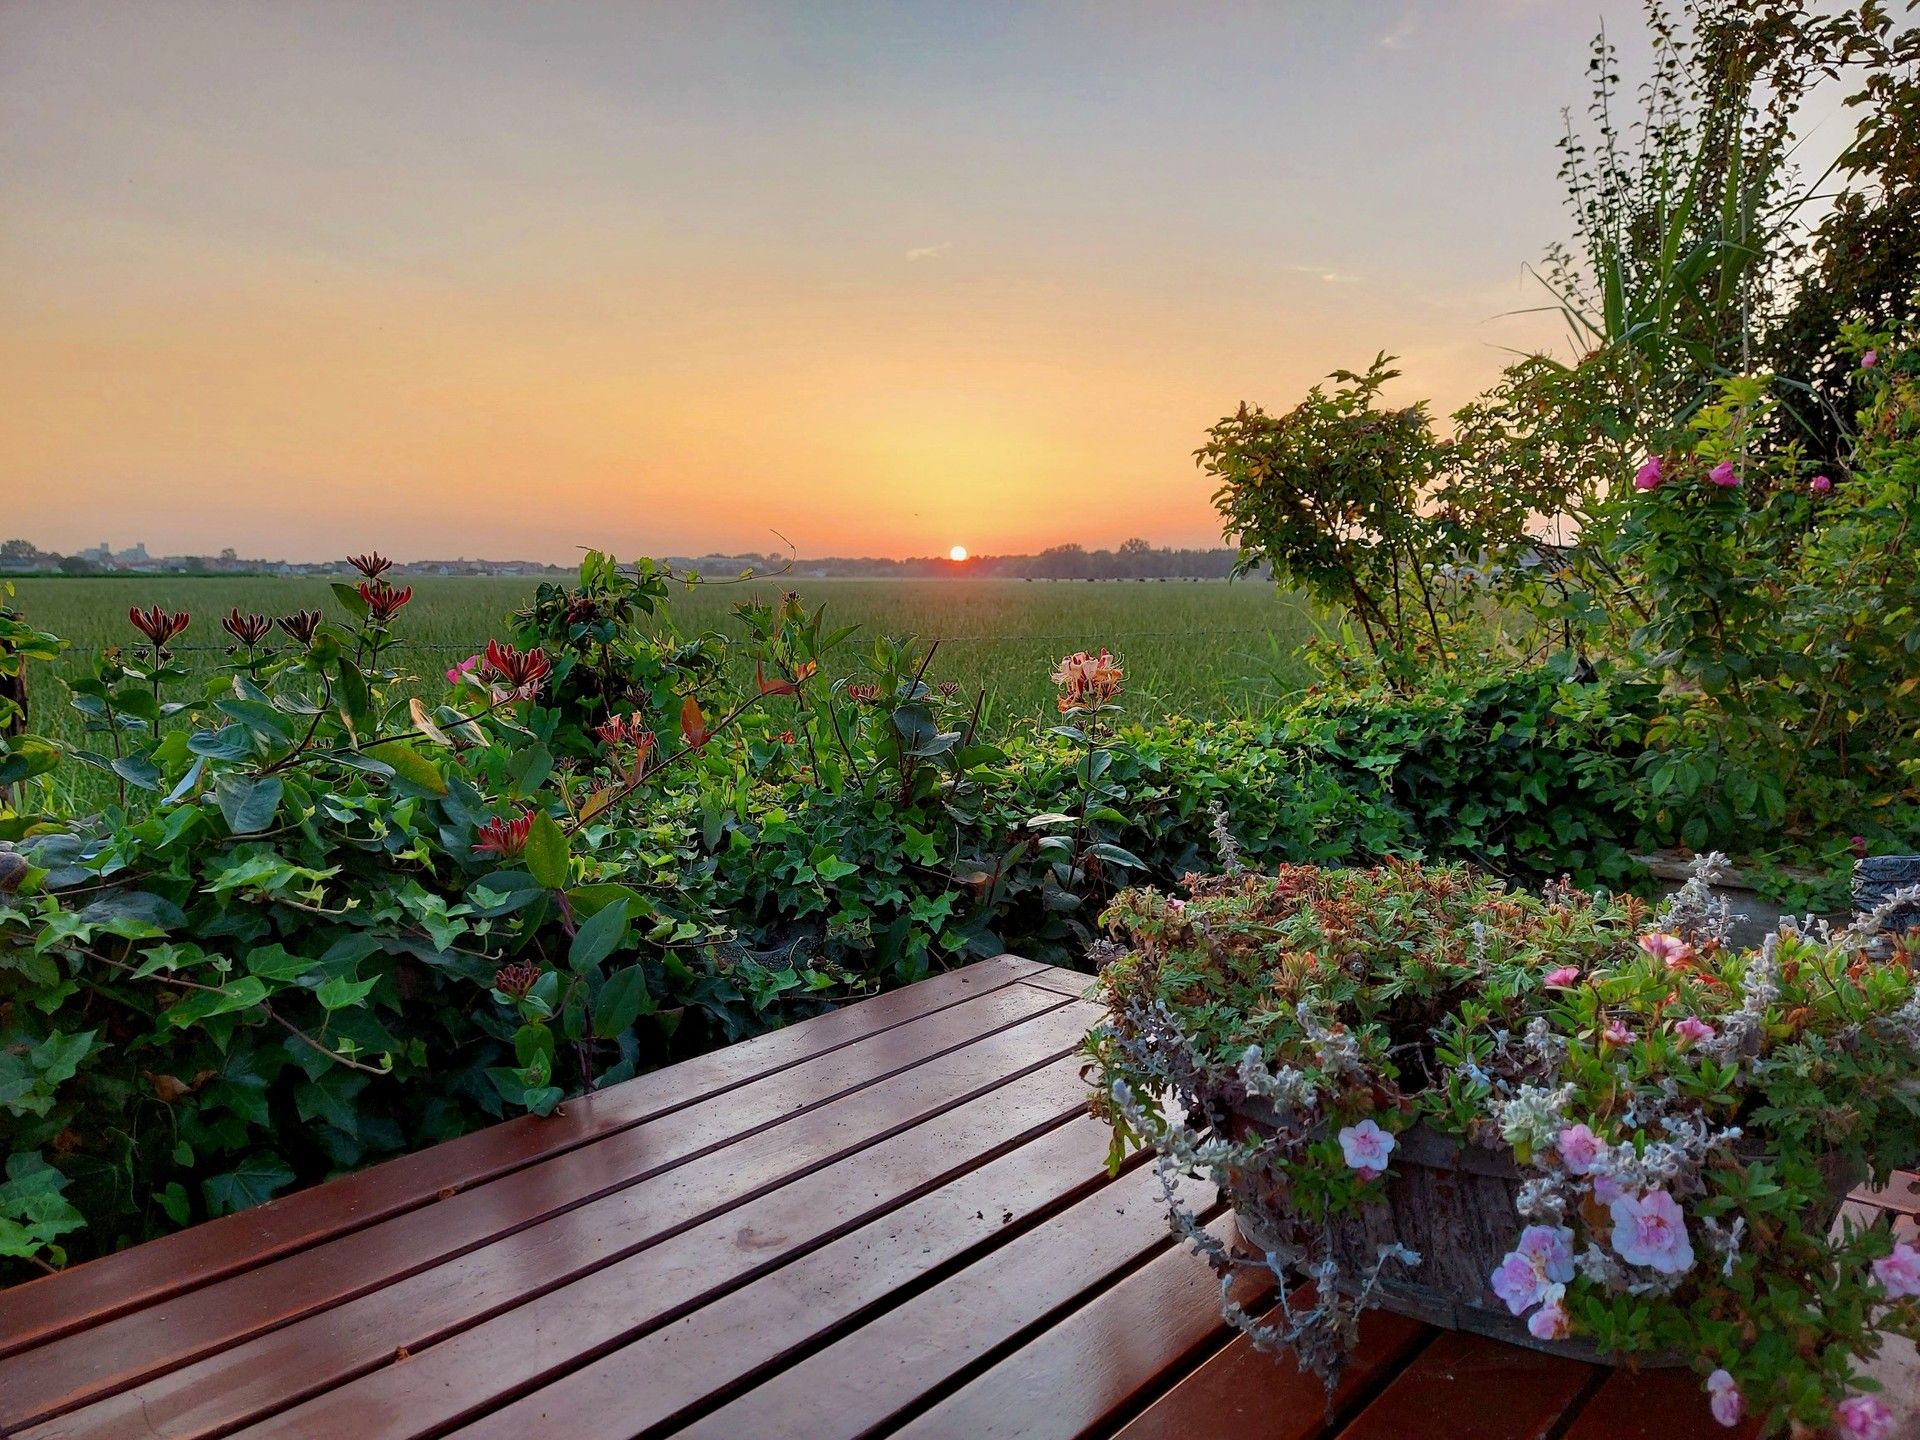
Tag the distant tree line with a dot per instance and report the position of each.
(1132, 560)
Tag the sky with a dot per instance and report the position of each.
(460, 279)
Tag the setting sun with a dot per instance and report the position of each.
(957, 553)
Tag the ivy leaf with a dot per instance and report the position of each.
(546, 852)
(249, 1183)
(239, 994)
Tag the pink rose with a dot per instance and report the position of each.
(1366, 1147)
(1864, 1417)
(1651, 474)
(1820, 484)
(1899, 1273)
(1565, 978)
(1725, 1400)
(1579, 1148)
(1650, 1230)
(1723, 475)
(1551, 1321)
(1693, 1030)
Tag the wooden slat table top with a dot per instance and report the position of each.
(891, 1220)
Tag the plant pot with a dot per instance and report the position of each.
(1452, 1203)
(1877, 878)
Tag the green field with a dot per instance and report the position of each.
(1191, 647)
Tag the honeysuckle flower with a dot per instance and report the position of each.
(1579, 1147)
(1087, 679)
(1820, 484)
(1899, 1273)
(372, 566)
(1551, 1321)
(516, 978)
(1693, 1029)
(521, 671)
(1864, 1417)
(249, 630)
(1671, 950)
(1870, 359)
(1617, 1033)
(159, 626)
(1723, 1398)
(1650, 475)
(1724, 475)
(1366, 1147)
(505, 838)
(302, 625)
(463, 669)
(1565, 978)
(383, 601)
(1651, 1230)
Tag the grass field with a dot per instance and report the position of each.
(1197, 648)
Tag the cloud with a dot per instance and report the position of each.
(930, 252)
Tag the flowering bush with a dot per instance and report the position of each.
(1680, 1117)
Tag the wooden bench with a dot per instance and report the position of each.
(892, 1219)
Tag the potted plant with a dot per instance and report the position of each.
(1566, 1121)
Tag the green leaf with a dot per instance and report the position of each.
(137, 770)
(248, 804)
(546, 852)
(598, 938)
(239, 994)
(621, 1001)
(339, 993)
(251, 1182)
(412, 768)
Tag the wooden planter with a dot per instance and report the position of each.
(1452, 1203)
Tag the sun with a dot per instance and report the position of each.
(957, 553)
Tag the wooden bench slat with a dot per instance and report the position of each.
(1653, 1405)
(880, 1373)
(753, 1328)
(331, 1346)
(1477, 1389)
(1251, 1395)
(113, 1284)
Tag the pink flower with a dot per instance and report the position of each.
(1542, 1260)
(1565, 978)
(1725, 1401)
(1606, 1189)
(1864, 1417)
(1671, 950)
(1649, 476)
(1551, 1321)
(462, 669)
(1650, 1230)
(1617, 1033)
(1820, 484)
(1579, 1148)
(1723, 476)
(1899, 1273)
(1366, 1147)
(1693, 1029)
(1870, 359)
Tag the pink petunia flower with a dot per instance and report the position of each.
(1543, 1258)
(1870, 359)
(1723, 475)
(1551, 1248)
(1606, 1189)
(1650, 1230)
(1518, 1281)
(1617, 1033)
(1565, 978)
(1899, 1273)
(1864, 1417)
(1366, 1147)
(1651, 474)
(1820, 484)
(1551, 1321)
(1724, 1398)
(1579, 1148)
(1670, 950)
(1693, 1030)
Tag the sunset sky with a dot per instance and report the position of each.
(507, 279)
